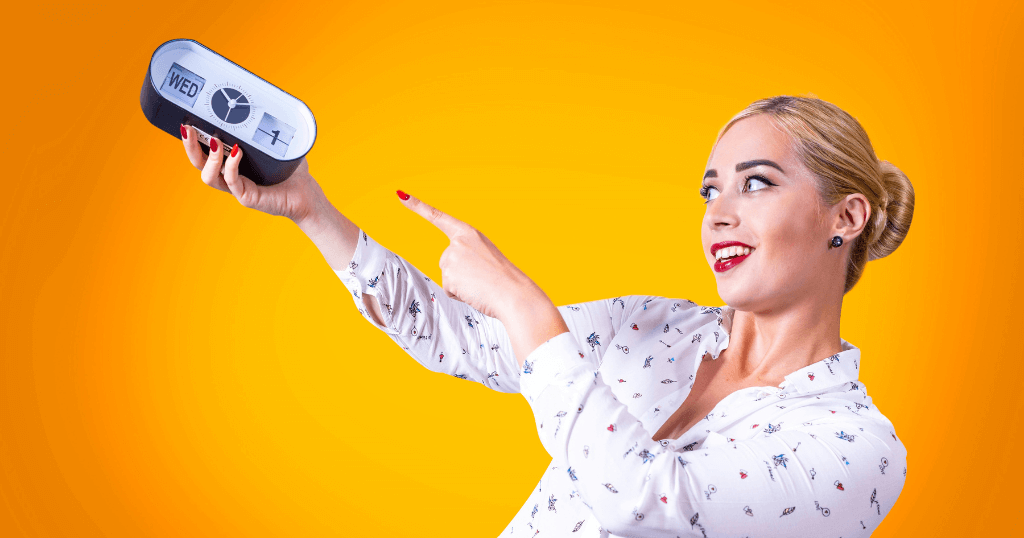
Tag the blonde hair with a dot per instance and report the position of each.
(834, 147)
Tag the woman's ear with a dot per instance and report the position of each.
(852, 214)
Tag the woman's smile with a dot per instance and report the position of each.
(729, 254)
(724, 264)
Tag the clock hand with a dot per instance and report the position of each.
(226, 96)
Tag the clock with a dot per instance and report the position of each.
(230, 104)
(188, 83)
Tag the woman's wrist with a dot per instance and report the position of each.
(320, 209)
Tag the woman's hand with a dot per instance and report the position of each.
(298, 197)
(475, 272)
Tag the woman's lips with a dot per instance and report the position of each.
(722, 266)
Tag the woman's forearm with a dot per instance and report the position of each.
(336, 237)
(529, 316)
(530, 319)
(332, 233)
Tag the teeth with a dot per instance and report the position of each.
(731, 252)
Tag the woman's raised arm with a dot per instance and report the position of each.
(442, 333)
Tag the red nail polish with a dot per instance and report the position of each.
(213, 145)
(234, 150)
(184, 132)
(402, 195)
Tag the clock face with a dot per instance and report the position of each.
(230, 104)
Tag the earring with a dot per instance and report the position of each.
(836, 242)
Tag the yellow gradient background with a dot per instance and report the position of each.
(174, 364)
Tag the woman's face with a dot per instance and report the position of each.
(762, 196)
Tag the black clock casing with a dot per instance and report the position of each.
(259, 165)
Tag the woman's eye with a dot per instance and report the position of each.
(755, 180)
(705, 193)
(752, 183)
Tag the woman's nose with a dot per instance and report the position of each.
(722, 211)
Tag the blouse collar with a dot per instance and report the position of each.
(838, 369)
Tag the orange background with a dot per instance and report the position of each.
(174, 364)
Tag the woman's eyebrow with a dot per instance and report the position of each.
(744, 165)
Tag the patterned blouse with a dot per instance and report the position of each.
(811, 457)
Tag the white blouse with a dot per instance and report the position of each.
(811, 457)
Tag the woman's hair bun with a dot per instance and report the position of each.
(896, 209)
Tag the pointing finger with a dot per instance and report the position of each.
(448, 224)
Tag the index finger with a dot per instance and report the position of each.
(198, 159)
(448, 224)
(191, 141)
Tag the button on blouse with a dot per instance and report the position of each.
(811, 457)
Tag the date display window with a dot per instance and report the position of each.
(274, 135)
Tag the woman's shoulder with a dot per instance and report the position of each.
(673, 304)
(849, 406)
(659, 306)
(673, 317)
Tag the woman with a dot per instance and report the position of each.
(663, 417)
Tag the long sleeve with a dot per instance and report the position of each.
(449, 336)
(823, 474)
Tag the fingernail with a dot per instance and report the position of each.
(402, 195)
(184, 131)
(213, 145)
(234, 150)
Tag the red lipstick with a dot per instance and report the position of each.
(722, 266)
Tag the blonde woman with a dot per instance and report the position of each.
(665, 418)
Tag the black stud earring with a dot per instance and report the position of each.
(837, 241)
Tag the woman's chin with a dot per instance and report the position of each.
(737, 297)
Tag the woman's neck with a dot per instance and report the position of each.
(765, 347)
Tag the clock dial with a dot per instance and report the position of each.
(230, 105)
